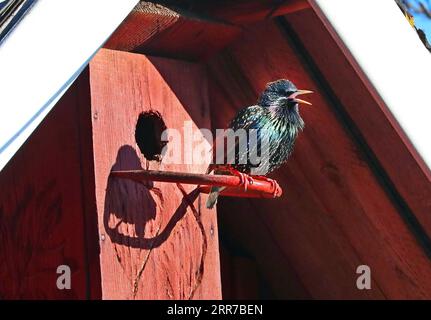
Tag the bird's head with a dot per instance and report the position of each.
(282, 94)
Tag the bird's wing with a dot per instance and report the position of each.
(247, 119)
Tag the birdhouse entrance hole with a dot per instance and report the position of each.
(148, 133)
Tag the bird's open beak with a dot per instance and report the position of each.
(298, 93)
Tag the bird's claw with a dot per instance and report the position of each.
(275, 187)
(245, 179)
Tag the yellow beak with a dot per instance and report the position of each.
(298, 93)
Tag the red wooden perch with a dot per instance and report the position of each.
(260, 188)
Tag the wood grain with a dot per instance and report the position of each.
(334, 215)
(42, 222)
(252, 11)
(383, 134)
(152, 239)
(191, 40)
(143, 23)
(195, 33)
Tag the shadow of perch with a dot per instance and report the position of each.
(134, 203)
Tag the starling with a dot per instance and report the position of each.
(276, 115)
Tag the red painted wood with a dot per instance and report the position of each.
(240, 278)
(42, 222)
(193, 33)
(190, 40)
(382, 132)
(143, 23)
(246, 12)
(85, 133)
(157, 30)
(152, 243)
(334, 215)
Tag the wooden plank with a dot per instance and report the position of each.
(239, 277)
(334, 215)
(382, 132)
(41, 216)
(191, 40)
(246, 12)
(192, 34)
(145, 21)
(85, 134)
(152, 244)
(157, 30)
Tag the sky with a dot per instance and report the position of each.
(424, 23)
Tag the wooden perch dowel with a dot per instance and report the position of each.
(260, 188)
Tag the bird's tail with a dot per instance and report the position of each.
(213, 196)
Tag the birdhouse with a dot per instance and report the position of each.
(356, 189)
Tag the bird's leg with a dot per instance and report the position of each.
(275, 187)
(245, 179)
